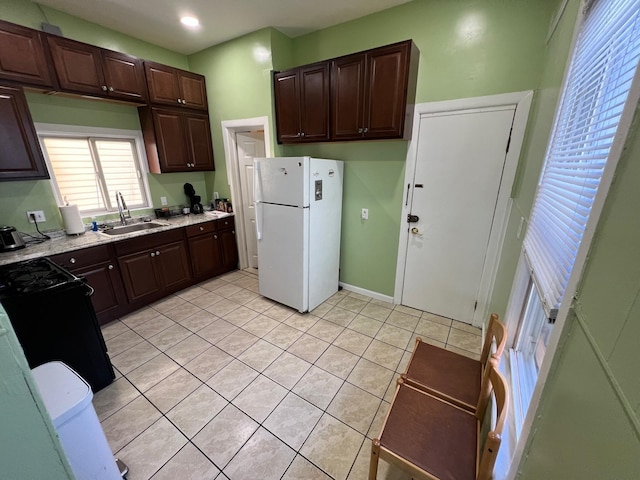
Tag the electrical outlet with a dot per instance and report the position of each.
(365, 214)
(38, 214)
(163, 201)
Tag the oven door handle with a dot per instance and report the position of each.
(90, 291)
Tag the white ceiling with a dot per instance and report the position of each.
(157, 21)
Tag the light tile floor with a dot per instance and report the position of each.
(217, 382)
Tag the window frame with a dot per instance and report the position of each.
(84, 132)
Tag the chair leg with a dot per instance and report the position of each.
(375, 456)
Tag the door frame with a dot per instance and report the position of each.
(229, 129)
(522, 103)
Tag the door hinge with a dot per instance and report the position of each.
(475, 307)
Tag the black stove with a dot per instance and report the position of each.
(51, 312)
(32, 276)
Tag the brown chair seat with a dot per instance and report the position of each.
(452, 376)
(431, 434)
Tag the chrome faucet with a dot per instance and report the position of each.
(122, 206)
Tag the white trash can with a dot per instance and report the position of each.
(67, 398)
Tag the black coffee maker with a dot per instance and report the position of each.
(196, 206)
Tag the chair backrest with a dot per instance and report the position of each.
(497, 332)
(494, 382)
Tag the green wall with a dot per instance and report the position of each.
(467, 49)
(18, 197)
(29, 445)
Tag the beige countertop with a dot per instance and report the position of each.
(61, 243)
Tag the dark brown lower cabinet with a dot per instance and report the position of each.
(97, 265)
(153, 266)
(213, 248)
(228, 243)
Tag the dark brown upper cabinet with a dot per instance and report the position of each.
(372, 93)
(86, 69)
(23, 57)
(176, 140)
(302, 103)
(20, 154)
(172, 86)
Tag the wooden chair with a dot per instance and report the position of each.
(436, 440)
(452, 376)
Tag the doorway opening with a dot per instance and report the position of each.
(244, 139)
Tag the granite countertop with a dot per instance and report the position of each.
(61, 243)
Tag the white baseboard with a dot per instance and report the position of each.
(368, 293)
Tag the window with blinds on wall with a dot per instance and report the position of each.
(600, 75)
(89, 171)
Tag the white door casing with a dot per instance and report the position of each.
(249, 145)
(229, 130)
(448, 225)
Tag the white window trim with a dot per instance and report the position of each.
(71, 131)
(620, 138)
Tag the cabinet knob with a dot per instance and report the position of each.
(233, 231)
(111, 89)
(184, 102)
(302, 134)
(157, 252)
(153, 254)
(298, 134)
(359, 130)
(366, 130)
(110, 267)
(215, 236)
(179, 101)
(104, 88)
(72, 260)
(202, 229)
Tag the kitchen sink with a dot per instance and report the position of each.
(138, 227)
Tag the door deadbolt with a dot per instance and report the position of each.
(415, 230)
(412, 218)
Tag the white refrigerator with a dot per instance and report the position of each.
(298, 216)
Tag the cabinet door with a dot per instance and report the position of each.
(170, 141)
(206, 255)
(108, 293)
(173, 266)
(386, 91)
(229, 249)
(162, 82)
(20, 154)
(314, 102)
(198, 140)
(78, 66)
(347, 97)
(22, 56)
(193, 90)
(139, 275)
(287, 99)
(124, 76)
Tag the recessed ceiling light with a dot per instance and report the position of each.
(190, 21)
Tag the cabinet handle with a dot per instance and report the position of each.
(110, 267)
(202, 229)
(104, 88)
(153, 254)
(72, 260)
(157, 252)
(366, 130)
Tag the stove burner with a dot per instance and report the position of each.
(32, 276)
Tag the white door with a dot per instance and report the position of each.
(249, 145)
(459, 167)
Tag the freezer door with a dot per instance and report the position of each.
(283, 255)
(282, 181)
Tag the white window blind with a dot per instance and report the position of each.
(88, 171)
(599, 78)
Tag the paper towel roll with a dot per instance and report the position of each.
(71, 219)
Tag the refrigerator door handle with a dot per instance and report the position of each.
(257, 197)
